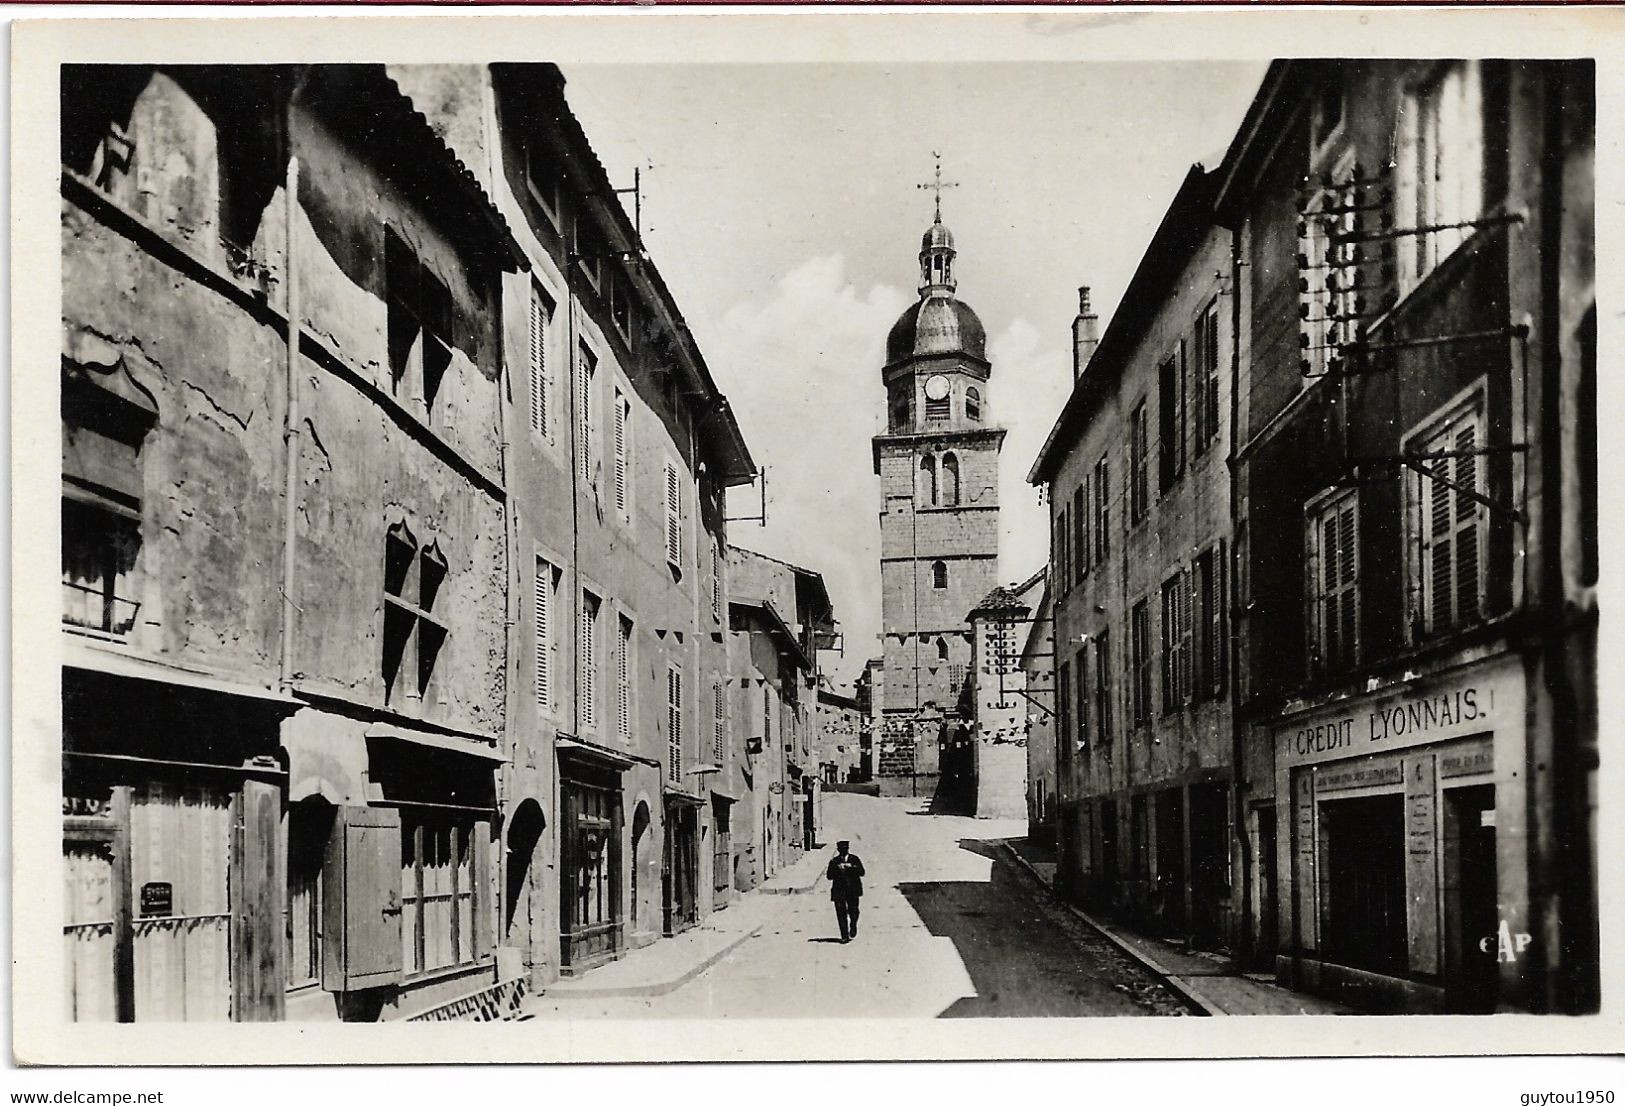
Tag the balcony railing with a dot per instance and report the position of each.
(89, 607)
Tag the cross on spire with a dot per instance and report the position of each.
(938, 184)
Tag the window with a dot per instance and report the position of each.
(413, 634)
(588, 660)
(1326, 117)
(545, 590)
(1171, 420)
(586, 372)
(1140, 661)
(1080, 534)
(719, 742)
(1103, 685)
(1063, 551)
(1103, 538)
(1332, 558)
(1081, 671)
(928, 480)
(623, 450)
(674, 724)
(716, 581)
(1176, 641)
(936, 410)
(309, 822)
(1205, 422)
(674, 518)
(939, 575)
(899, 410)
(1440, 175)
(973, 405)
(767, 714)
(942, 649)
(540, 312)
(542, 180)
(1329, 318)
(623, 679)
(419, 311)
(437, 890)
(1138, 497)
(1211, 620)
(950, 480)
(1448, 521)
(100, 541)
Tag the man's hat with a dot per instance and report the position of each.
(838, 844)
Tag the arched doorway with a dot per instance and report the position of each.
(642, 857)
(524, 834)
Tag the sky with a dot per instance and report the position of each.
(781, 204)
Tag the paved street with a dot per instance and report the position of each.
(950, 928)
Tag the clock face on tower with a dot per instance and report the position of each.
(936, 388)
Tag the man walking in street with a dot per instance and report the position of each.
(845, 874)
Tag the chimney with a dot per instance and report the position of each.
(1085, 334)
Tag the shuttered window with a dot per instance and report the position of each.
(1439, 167)
(716, 581)
(1334, 582)
(1140, 661)
(1080, 534)
(589, 660)
(1450, 523)
(587, 370)
(623, 448)
(1063, 544)
(1081, 671)
(1103, 685)
(540, 310)
(719, 744)
(1210, 623)
(623, 679)
(1139, 496)
(1103, 510)
(1176, 641)
(674, 517)
(1063, 714)
(1205, 407)
(543, 595)
(674, 724)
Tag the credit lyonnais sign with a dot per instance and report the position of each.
(1416, 715)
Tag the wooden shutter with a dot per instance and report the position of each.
(718, 742)
(674, 722)
(622, 414)
(584, 410)
(258, 889)
(674, 517)
(589, 660)
(1081, 673)
(484, 897)
(1063, 711)
(623, 682)
(361, 900)
(1440, 556)
(716, 582)
(538, 362)
(1348, 578)
(1080, 548)
(1469, 558)
(544, 634)
(1064, 537)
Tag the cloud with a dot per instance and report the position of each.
(801, 366)
(1032, 376)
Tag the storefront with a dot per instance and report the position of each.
(681, 870)
(591, 921)
(1392, 890)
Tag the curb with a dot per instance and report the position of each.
(1192, 999)
(659, 987)
(799, 888)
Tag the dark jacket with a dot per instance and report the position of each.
(845, 876)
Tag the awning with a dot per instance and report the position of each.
(674, 796)
(468, 746)
(599, 756)
(88, 656)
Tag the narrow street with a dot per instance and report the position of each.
(950, 928)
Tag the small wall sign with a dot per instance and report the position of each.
(157, 900)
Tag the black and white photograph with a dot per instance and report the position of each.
(577, 538)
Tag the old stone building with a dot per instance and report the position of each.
(995, 698)
(939, 524)
(1417, 508)
(283, 512)
(1038, 679)
(1139, 494)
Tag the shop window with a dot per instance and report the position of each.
(310, 824)
(438, 897)
(1362, 882)
(1439, 166)
(1449, 522)
(950, 480)
(1139, 497)
(973, 405)
(939, 575)
(1333, 560)
(1140, 661)
(414, 634)
(420, 317)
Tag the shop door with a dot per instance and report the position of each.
(682, 868)
(1168, 888)
(1470, 899)
(148, 930)
(1210, 862)
(590, 888)
(721, 858)
(1362, 882)
(1265, 864)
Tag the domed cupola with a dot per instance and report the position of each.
(940, 322)
(937, 259)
